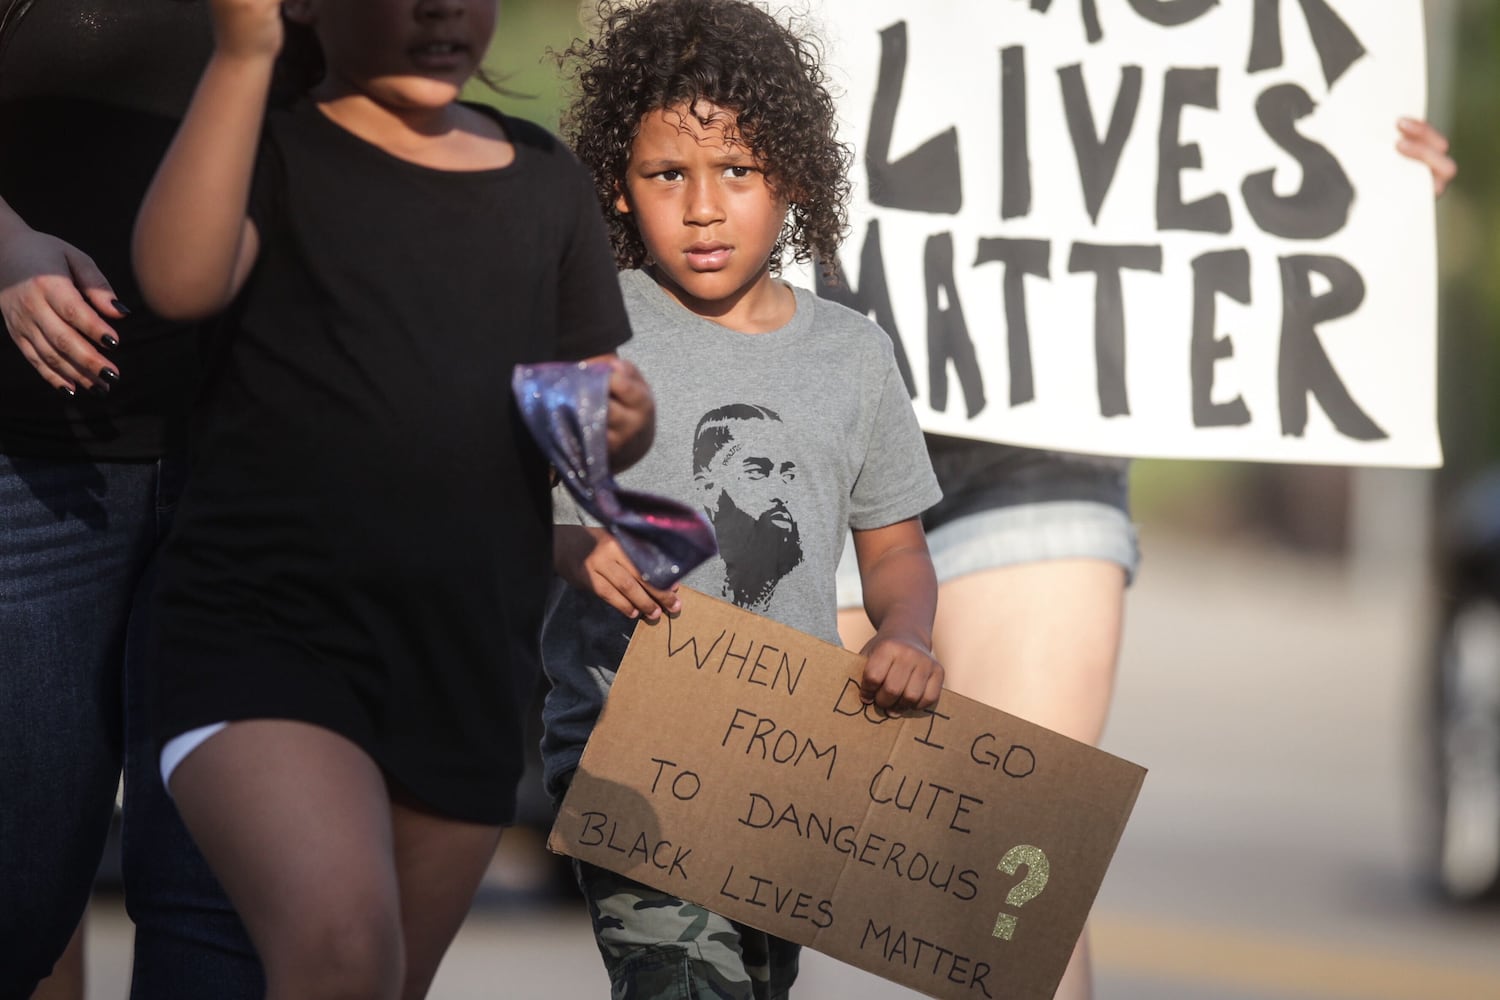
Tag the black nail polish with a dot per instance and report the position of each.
(67, 390)
(109, 342)
(109, 375)
(119, 307)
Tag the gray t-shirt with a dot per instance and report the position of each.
(784, 440)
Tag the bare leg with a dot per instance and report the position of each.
(66, 981)
(855, 629)
(296, 822)
(1038, 640)
(439, 863)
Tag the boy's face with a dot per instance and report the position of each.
(705, 212)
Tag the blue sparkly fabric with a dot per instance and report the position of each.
(565, 405)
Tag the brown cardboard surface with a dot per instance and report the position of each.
(956, 852)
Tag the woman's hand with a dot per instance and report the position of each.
(589, 559)
(1423, 143)
(54, 301)
(249, 28)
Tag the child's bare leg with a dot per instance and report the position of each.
(439, 863)
(296, 822)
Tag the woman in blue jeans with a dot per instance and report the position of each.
(94, 393)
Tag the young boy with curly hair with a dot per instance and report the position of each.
(781, 415)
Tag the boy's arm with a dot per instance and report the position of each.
(193, 244)
(589, 559)
(901, 600)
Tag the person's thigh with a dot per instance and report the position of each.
(296, 823)
(75, 536)
(1039, 640)
(658, 947)
(1030, 607)
(439, 864)
(855, 630)
(189, 941)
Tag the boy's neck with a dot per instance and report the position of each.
(764, 306)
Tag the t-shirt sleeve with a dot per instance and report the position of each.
(895, 480)
(591, 312)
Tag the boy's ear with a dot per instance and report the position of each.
(300, 11)
(622, 203)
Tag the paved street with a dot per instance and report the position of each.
(1273, 853)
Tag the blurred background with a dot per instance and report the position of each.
(1311, 673)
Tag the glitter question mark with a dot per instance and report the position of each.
(1038, 870)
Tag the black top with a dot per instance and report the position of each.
(366, 537)
(90, 95)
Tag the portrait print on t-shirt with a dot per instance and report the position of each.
(745, 473)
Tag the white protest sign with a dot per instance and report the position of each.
(1170, 228)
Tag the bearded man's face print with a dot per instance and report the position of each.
(745, 471)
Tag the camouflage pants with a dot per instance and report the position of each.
(657, 947)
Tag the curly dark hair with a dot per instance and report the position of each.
(648, 55)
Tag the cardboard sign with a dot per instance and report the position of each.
(734, 766)
(1173, 228)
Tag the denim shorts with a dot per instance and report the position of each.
(1003, 506)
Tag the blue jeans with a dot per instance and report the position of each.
(76, 545)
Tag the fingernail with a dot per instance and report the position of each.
(120, 307)
(109, 375)
(109, 342)
(67, 390)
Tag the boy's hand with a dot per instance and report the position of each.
(53, 302)
(632, 415)
(247, 28)
(1422, 142)
(589, 559)
(900, 674)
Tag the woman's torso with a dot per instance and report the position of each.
(90, 95)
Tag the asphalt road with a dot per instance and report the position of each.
(1274, 852)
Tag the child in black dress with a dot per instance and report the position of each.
(350, 605)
